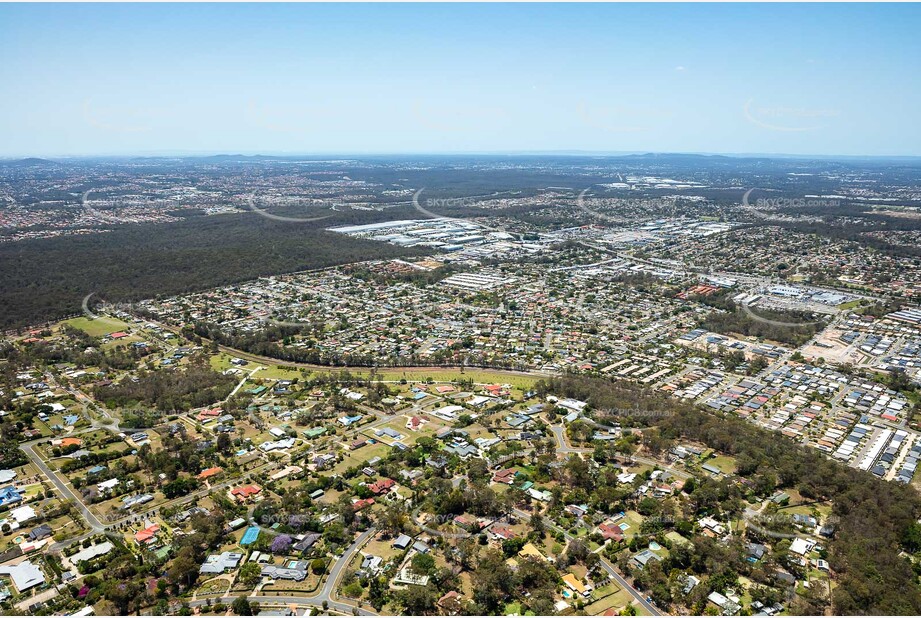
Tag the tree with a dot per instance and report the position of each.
(417, 600)
(393, 518)
(493, 581)
(537, 524)
(241, 606)
(912, 538)
(281, 544)
(477, 470)
(352, 590)
(423, 564)
(250, 573)
(184, 568)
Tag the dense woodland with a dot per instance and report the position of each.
(169, 390)
(48, 278)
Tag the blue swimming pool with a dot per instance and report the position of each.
(250, 536)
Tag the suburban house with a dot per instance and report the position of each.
(209, 472)
(501, 532)
(40, 532)
(147, 536)
(611, 531)
(215, 564)
(363, 503)
(24, 575)
(575, 585)
(382, 486)
(642, 559)
(415, 423)
(244, 493)
(402, 542)
(450, 603)
(310, 539)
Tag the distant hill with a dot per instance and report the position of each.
(239, 157)
(29, 162)
(675, 156)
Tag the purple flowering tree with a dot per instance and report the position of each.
(281, 544)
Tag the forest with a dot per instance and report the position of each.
(47, 279)
(169, 390)
(765, 324)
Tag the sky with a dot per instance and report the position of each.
(119, 79)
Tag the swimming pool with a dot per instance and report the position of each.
(250, 536)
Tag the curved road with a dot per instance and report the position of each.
(607, 566)
(563, 446)
(325, 595)
(276, 361)
(91, 519)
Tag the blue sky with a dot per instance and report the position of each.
(306, 78)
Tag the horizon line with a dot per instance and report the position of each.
(159, 154)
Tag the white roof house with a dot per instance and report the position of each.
(23, 514)
(572, 404)
(91, 552)
(107, 485)
(448, 413)
(25, 575)
(801, 546)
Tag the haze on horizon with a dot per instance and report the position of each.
(305, 78)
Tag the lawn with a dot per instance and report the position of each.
(99, 326)
(634, 520)
(274, 372)
(608, 596)
(438, 375)
(382, 548)
(807, 508)
(282, 587)
(213, 586)
(444, 375)
(723, 462)
(365, 453)
(676, 538)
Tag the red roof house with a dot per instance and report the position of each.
(148, 535)
(382, 486)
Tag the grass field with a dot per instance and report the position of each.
(676, 538)
(610, 596)
(365, 453)
(221, 362)
(723, 462)
(98, 327)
